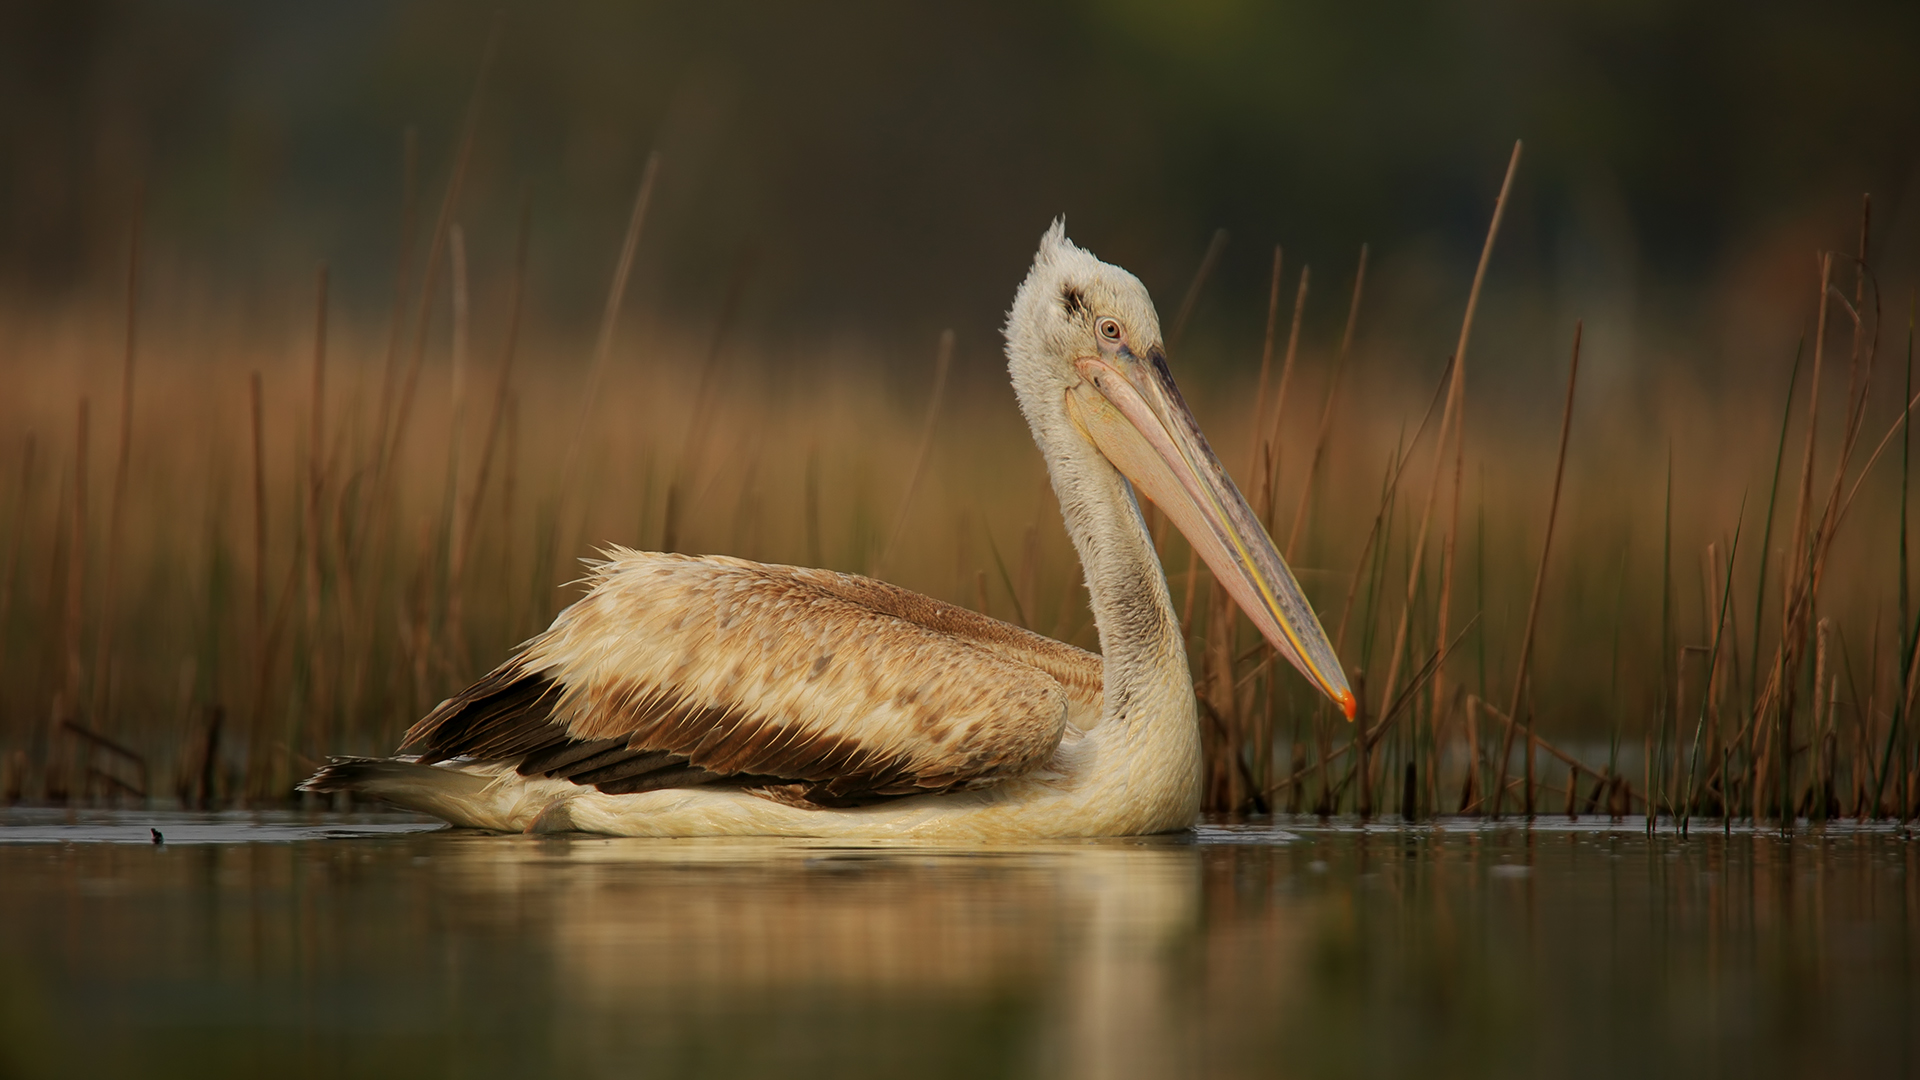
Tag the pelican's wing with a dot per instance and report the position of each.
(674, 671)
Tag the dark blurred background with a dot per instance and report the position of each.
(889, 165)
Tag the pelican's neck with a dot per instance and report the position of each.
(1146, 676)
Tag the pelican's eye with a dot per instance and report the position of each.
(1109, 329)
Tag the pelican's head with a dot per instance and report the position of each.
(1084, 351)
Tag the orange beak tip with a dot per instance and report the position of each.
(1347, 704)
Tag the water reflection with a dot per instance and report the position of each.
(1049, 957)
(1252, 952)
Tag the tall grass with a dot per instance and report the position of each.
(307, 542)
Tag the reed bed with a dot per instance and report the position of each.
(226, 554)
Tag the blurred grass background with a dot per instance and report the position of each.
(838, 183)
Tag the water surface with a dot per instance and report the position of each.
(336, 946)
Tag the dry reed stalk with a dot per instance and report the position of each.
(1856, 378)
(1712, 597)
(1539, 588)
(316, 652)
(686, 469)
(1362, 748)
(1215, 246)
(1420, 677)
(1006, 582)
(503, 385)
(110, 587)
(442, 226)
(450, 644)
(1186, 600)
(1368, 735)
(1555, 752)
(1396, 468)
(943, 359)
(460, 359)
(1470, 786)
(1755, 749)
(610, 314)
(396, 321)
(1272, 438)
(1451, 420)
(255, 413)
(1811, 550)
(59, 776)
(1326, 411)
(1447, 549)
(1713, 657)
(1793, 624)
(16, 543)
(811, 513)
(1218, 684)
(1900, 425)
(1027, 592)
(1254, 447)
(1903, 644)
(1221, 749)
(1822, 707)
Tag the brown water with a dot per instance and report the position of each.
(289, 946)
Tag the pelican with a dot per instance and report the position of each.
(711, 696)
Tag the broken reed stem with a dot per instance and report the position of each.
(1539, 587)
(942, 360)
(110, 588)
(1899, 425)
(1555, 752)
(1326, 410)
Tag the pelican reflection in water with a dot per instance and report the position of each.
(1081, 951)
(713, 696)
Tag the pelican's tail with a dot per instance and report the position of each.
(461, 795)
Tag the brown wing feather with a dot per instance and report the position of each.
(675, 671)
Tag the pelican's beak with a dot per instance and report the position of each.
(1132, 411)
